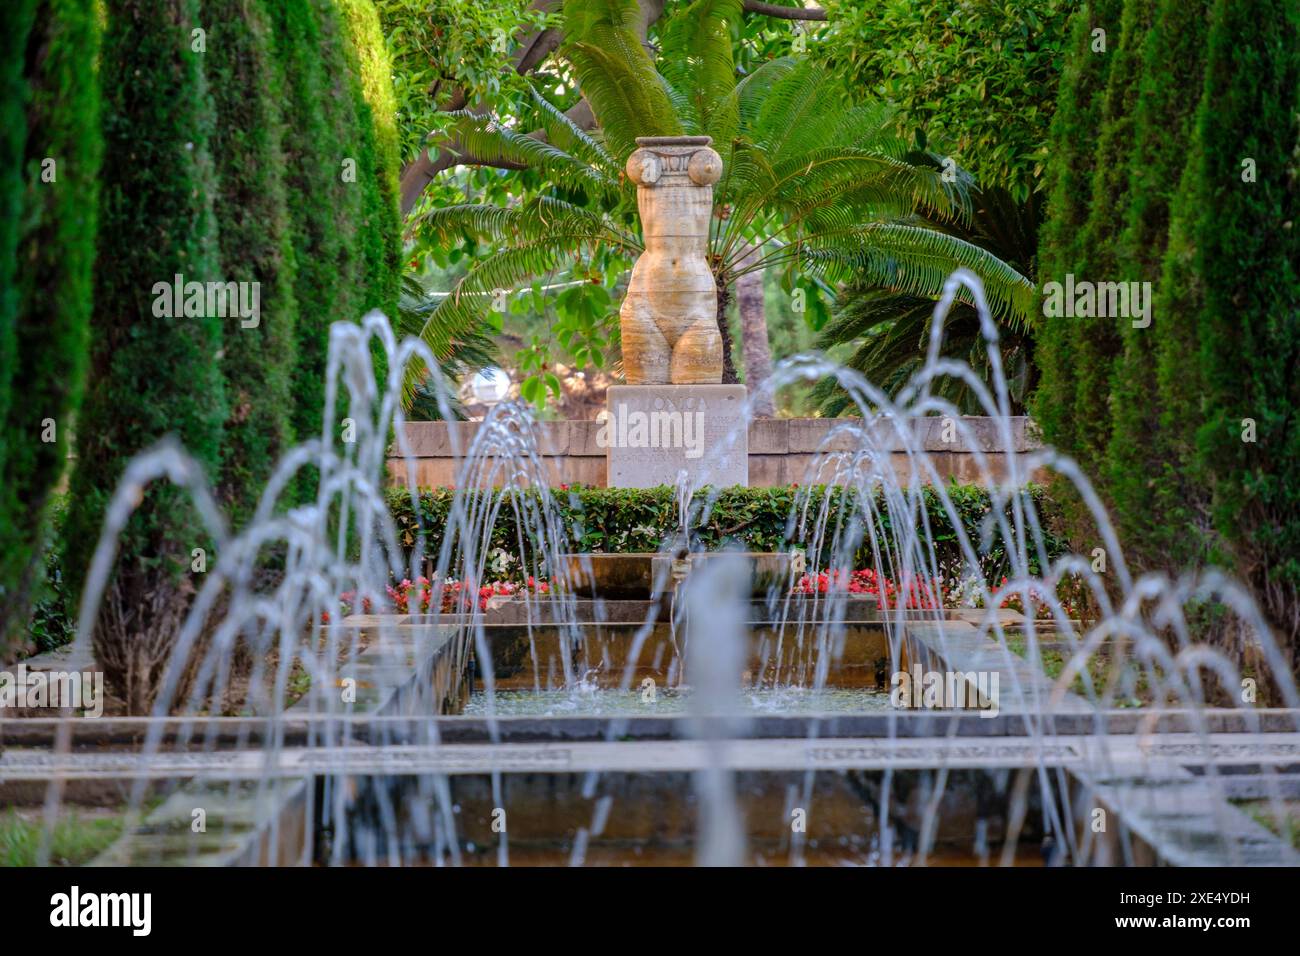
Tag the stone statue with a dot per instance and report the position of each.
(669, 317)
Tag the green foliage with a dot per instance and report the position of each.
(447, 55)
(1172, 499)
(617, 74)
(340, 178)
(13, 141)
(823, 184)
(1068, 184)
(375, 145)
(889, 332)
(320, 207)
(1202, 203)
(375, 134)
(54, 608)
(352, 166)
(1097, 340)
(1248, 259)
(1148, 438)
(701, 73)
(255, 239)
(622, 520)
(150, 376)
(974, 80)
(47, 248)
(466, 354)
(540, 382)
(74, 840)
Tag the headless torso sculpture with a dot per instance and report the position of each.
(669, 317)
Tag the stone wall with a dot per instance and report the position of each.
(781, 450)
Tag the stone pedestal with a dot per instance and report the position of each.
(654, 432)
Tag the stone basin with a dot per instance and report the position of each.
(613, 576)
(643, 575)
(767, 569)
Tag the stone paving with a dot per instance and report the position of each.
(1121, 757)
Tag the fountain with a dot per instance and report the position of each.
(381, 702)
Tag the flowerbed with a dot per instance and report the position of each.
(412, 597)
(916, 593)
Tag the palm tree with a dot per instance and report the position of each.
(889, 328)
(460, 354)
(818, 183)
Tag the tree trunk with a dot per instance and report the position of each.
(755, 349)
(728, 363)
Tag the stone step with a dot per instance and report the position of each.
(1104, 758)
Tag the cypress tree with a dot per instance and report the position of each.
(323, 209)
(1145, 486)
(378, 150)
(255, 242)
(46, 310)
(13, 141)
(1068, 185)
(150, 375)
(1097, 340)
(1180, 506)
(1248, 258)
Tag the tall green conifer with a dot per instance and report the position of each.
(150, 375)
(256, 245)
(1145, 467)
(45, 305)
(1069, 179)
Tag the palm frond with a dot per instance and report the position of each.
(616, 74)
(484, 137)
(626, 102)
(916, 259)
(835, 187)
(889, 330)
(581, 17)
(800, 112)
(466, 307)
(467, 350)
(810, 159)
(698, 64)
(891, 333)
(537, 218)
(572, 138)
(751, 92)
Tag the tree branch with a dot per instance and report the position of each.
(784, 13)
(537, 49)
(426, 167)
(533, 49)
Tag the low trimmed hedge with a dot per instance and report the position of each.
(609, 520)
(623, 520)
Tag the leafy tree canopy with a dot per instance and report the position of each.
(974, 80)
